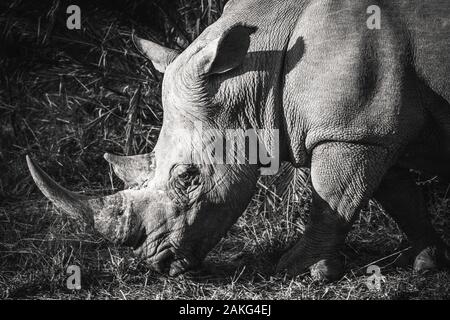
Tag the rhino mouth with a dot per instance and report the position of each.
(164, 258)
(164, 254)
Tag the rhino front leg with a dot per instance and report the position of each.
(403, 201)
(344, 177)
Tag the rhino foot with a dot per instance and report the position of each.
(295, 263)
(327, 269)
(432, 258)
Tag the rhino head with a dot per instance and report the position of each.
(177, 205)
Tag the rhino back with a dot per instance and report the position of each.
(316, 68)
(353, 83)
(428, 23)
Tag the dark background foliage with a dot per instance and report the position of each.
(68, 96)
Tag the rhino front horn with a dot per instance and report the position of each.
(77, 206)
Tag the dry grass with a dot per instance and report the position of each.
(37, 244)
(68, 96)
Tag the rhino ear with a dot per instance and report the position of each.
(160, 56)
(224, 53)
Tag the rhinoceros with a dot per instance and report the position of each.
(361, 106)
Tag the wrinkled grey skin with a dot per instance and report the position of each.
(358, 106)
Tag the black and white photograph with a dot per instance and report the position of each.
(225, 155)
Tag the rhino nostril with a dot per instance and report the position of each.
(119, 213)
(139, 240)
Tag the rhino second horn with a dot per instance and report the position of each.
(77, 206)
(133, 170)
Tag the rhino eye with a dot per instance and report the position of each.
(183, 184)
(185, 176)
(188, 175)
